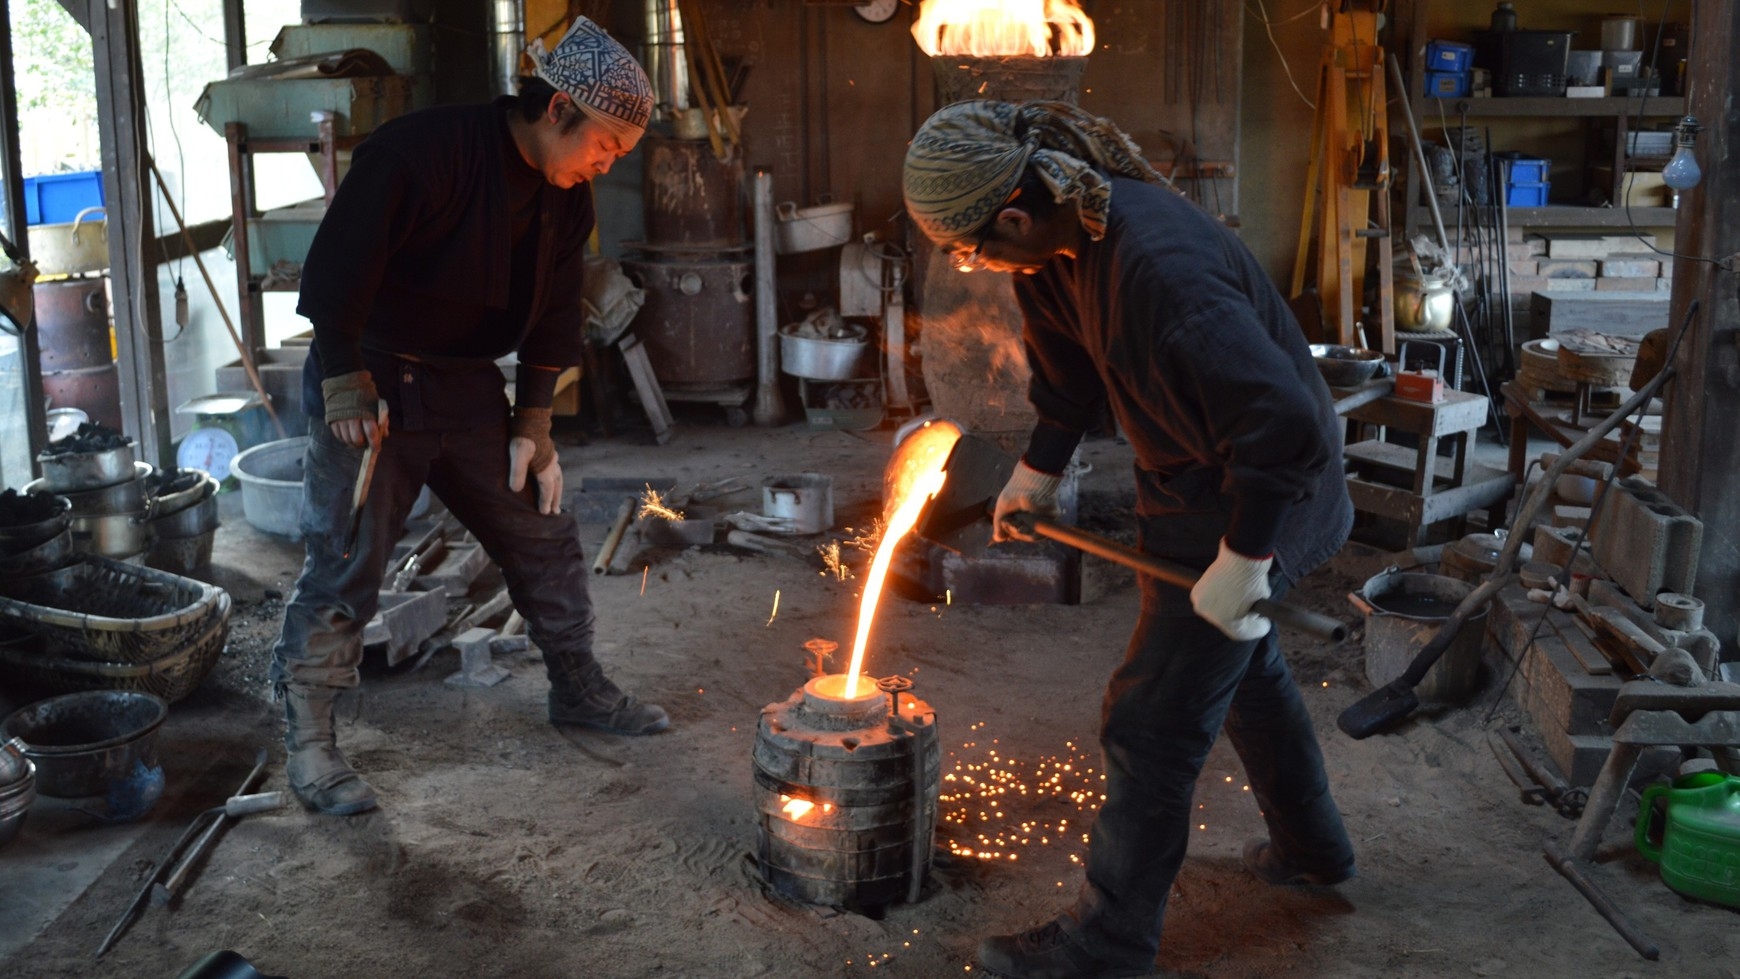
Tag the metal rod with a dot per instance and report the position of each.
(1291, 616)
(1420, 157)
(1622, 924)
(769, 407)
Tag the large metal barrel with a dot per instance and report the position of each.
(72, 323)
(846, 797)
(698, 322)
(692, 198)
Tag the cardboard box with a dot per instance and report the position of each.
(1642, 188)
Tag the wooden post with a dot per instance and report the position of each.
(1700, 456)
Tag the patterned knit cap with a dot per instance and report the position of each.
(600, 76)
(968, 158)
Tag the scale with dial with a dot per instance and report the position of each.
(224, 425)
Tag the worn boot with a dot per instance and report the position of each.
(1268, 865)
(317, 773)
(1054, 950)
(591, 700)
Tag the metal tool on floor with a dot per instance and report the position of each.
(365, 475)
(173, 854)
(235, 807)
(958, 517)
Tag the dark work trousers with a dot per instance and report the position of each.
(539, 555)
(1181, 679)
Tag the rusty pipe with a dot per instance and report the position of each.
(612, 540)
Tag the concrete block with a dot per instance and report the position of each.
(475, 667)
(1520, 251)
(458, 567)
(1537, 245)
(1646, 542)
(1525, 267)
(1631, 266)
(1558, 268)
(1566, 515)
(404, 620)
(1586, 246)
(1630, 314)
(1625, 285)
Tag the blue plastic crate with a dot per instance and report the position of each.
(1449, 56)
(57, 198)
(1526, 195)
(1526, 169)
(1447, 84)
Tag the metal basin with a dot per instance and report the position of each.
(823, 358)
(88, 744)
(1346, 367)
(18, 538)
(172, 490)
(46, 556)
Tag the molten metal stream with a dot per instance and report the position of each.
(926, 456)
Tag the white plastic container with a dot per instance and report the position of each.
(807, 229)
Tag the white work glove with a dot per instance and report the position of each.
(1227, 590)
(1028, 490)
(530, 449)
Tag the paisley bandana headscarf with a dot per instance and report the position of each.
(601, 77)
(968, 158)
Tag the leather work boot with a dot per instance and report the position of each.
(602, 705)
(1262, 860)
(1050, 951)
(317, 773)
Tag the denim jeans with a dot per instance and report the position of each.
(539, 555)
(1180, 681)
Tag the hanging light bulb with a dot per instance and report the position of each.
(1682, 171)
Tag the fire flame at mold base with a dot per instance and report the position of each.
(1003, 28)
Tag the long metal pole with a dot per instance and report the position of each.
(1420, 157)
(769, 406)
(12, 166)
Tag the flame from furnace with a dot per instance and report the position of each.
(918, 477)
(1002, 28)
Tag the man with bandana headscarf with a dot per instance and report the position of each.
(457, 237)
(1138, 303)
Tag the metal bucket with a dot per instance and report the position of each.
(17, 538)
(73, 472)
(698, 322)
(190, 521)
(692, 198)
(1402, 613)
(126, 496)
(98, 743)
(113, 535)
(822, 358)
(845, 798)
(805, 499)
(46, 556)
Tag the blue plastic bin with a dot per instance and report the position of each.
(1449, 56)
(1526, 169)
(57, 198)
(1526, 195)
(1447, 84)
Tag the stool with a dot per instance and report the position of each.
(1430, 497)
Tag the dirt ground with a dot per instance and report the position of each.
(506, 847)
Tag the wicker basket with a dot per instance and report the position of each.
(171, 677)
(122, 614)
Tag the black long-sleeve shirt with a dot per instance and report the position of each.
(1171, 323)
(443, 245)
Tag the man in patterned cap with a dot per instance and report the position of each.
(456, 238)
(1137, 302)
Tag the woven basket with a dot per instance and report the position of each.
(121, 614)
(171, 677)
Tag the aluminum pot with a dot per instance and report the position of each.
(74, 472)
(822, 358)
(804, 499)
(83, 744)
(18, 538)
(113, 535)
(79, 245)
(46, 556)
(189, 521)
(123, 497)
(173, 491)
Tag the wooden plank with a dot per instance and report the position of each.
(1480, 493)
(1460, 411)
(646, 385)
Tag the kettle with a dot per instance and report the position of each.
(1697, 839)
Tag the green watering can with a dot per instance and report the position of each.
(1695, 837)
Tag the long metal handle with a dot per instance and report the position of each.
(1310, 623)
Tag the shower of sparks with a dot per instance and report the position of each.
(653, 505)
(775, 613)
(866, 540)
(643, 573)
(832, 565)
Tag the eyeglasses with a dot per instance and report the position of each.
(968, 261)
